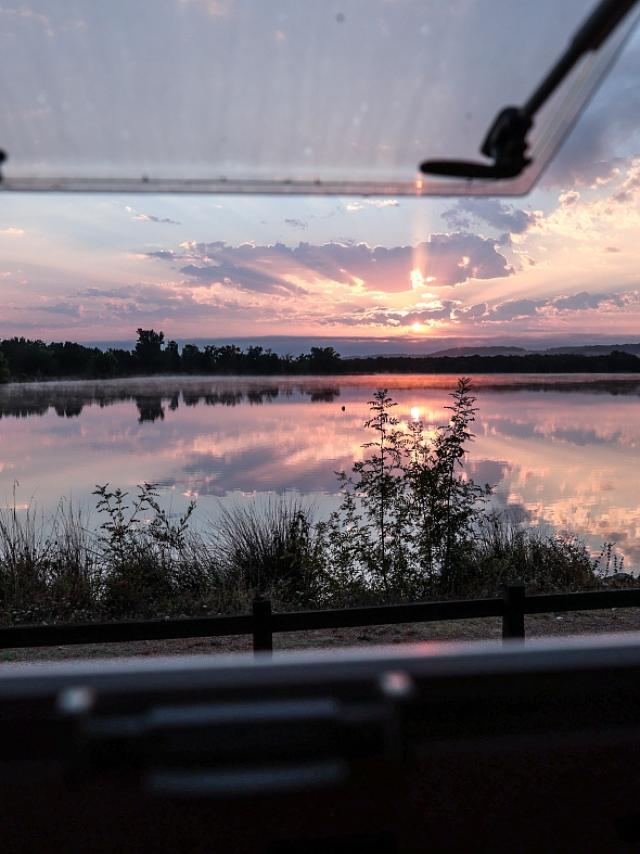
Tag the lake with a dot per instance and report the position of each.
(561, 450)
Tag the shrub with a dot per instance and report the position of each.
(408, 511)
(274, 550)
(143, 554)
(503, 552)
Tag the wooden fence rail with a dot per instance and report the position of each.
(262, 623)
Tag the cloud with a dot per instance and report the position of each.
(454, 313)
(107, 293)
(162, 254)
(12, 231)
(64, 308)
(561, 305)
(442, 260)
(571, 197)
(606, 133)
(145, 217)
(583, 301)
(296, 223)
(498, 214)
(395, 318)
(584, 221)
(451, 259)
(631, 183)
(515, 309)
(242, 278)
(133, 305)
(470, 312)
(144, 296)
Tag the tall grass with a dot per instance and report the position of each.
(503, 552)
(274, 550)
(58, 569)
(48, 567)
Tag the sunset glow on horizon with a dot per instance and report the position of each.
(558, 265)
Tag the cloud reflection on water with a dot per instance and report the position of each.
(560, 452)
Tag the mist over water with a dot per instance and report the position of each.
(561, 450)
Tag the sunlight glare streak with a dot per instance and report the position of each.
(417, 279)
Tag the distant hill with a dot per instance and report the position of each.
(581, 350)
(597, 349)
(495, 350)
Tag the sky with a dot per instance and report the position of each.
(557, 266)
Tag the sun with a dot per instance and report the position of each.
(417, 326)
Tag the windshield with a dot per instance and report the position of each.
(227, 349)
(280, 96)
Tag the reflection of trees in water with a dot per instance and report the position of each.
(191, 398)
(68, 409)
(228, 398)
(24, 410)
(258, 396)
(324, 395)
(68, 399)
(592, 386)
(150, 408)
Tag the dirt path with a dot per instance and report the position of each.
(540, 625)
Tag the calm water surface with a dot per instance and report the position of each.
(561, 450)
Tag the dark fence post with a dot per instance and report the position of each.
(262, 634)
(513, 617)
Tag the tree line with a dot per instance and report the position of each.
(70, 400)
(23, 359)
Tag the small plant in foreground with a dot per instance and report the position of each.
(142, 552)
(408, 510)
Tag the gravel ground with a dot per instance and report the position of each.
(539, 625)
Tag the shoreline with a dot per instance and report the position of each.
(527, 376)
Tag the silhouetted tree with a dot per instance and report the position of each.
(149, 350)
(172, 357)
(191, 359)
(105, 364)
(321, 360)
